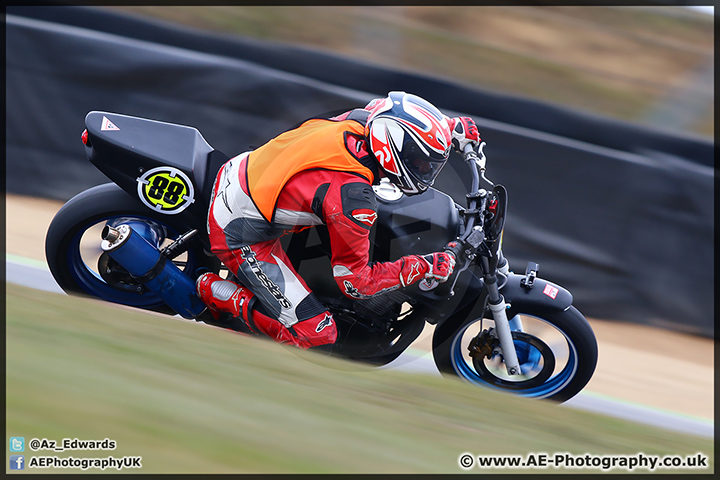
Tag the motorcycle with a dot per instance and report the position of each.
(142, 241)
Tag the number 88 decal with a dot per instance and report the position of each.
(166, 190)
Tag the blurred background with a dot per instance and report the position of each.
(650, 65)
(598, 119)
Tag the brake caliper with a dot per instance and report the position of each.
(484, 345)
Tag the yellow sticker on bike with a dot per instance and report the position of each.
(166, 190)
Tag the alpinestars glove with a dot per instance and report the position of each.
(438, 266)
(464, 131)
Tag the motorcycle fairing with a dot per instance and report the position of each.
(543, 297)
(125, 147)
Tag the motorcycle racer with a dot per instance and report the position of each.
(321, 173)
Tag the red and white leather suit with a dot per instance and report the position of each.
(249, 245)
(318, 173)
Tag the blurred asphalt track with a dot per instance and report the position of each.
(35, 274)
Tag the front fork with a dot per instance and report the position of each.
(503, 326)
(504, 332)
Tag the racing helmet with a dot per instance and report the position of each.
(410, 138)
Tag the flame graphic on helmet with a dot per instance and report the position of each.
(431, 130)
(403, 122)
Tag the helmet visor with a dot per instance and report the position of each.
(419, 165)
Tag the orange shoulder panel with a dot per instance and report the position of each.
(317, 143)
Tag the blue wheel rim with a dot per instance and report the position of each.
(553, 385)
(91, 282)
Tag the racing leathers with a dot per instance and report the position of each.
(318, 173)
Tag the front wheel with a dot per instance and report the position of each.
(557, 351)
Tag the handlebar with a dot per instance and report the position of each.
(454, 248)
(469, 155)
(477, 232)
(477, 165)
(472, 236)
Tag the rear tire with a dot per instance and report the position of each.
(73, 254)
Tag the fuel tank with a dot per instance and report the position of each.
(415, 224)
(406, 225)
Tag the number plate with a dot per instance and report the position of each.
(166, 190)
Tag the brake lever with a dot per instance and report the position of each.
(482, 160)
(461, 252)
(479, 158)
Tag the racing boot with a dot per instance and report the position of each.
(229, 303)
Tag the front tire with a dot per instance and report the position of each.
(76, 261)
(563, 344)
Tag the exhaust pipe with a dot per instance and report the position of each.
(110, 234)
(147, 265)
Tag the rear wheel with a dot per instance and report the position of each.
(557, 352)
(79, 265)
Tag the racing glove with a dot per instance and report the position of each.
(433, 266)
(464, 131)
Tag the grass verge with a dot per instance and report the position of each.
(194, 399)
